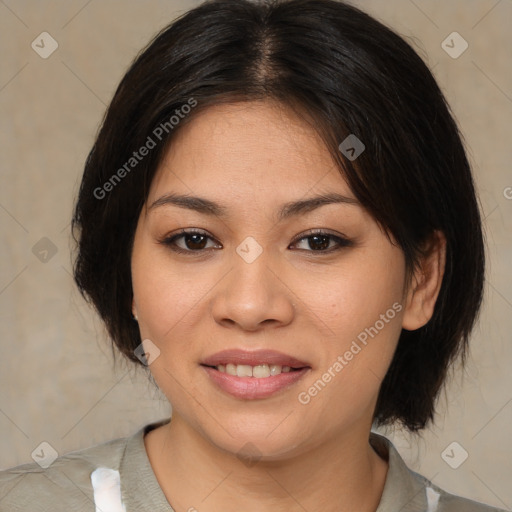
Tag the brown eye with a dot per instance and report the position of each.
(194, 241)
(320, 241)
(189, 241)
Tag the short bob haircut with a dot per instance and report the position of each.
(344, 72)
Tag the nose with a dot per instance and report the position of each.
(253, 295)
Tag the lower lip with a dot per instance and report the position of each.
(252, 388)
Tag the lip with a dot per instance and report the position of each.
(253, 358)
(251, 388)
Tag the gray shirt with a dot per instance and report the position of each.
(117, 476)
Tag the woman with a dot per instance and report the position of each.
(278, 219)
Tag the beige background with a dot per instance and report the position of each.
(57, 379)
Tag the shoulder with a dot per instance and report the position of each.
(408, 491)
(447, 502)
(66, 482)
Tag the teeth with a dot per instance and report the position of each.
(243, 370)
(275, 369)
(260, 371)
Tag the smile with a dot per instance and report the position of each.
(260, 371)
(253, 375)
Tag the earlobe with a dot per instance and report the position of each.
(425, 284)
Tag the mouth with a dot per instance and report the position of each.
(260, 371)
(253, 375)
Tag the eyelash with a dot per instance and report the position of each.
(171, 240)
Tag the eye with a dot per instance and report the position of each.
(320, 241)
(192, 240)
(196, 241)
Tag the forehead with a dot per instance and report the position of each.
(246, 149)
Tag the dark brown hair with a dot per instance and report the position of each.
(349, 74)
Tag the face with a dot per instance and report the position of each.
(308, 299)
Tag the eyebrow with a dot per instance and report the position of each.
(294, 208)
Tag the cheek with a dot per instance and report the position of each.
(363, 309)
(168, 297)
(355, 297)
(168, 305)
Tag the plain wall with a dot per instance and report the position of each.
(57, 379)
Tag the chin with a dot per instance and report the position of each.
(256, 438)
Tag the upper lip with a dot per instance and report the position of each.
(253, 358)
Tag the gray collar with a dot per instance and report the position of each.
(404, 490)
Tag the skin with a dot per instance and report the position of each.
(252, 158)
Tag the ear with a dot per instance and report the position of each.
(134, 309)
(425, 283)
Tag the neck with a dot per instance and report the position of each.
(343, 474)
